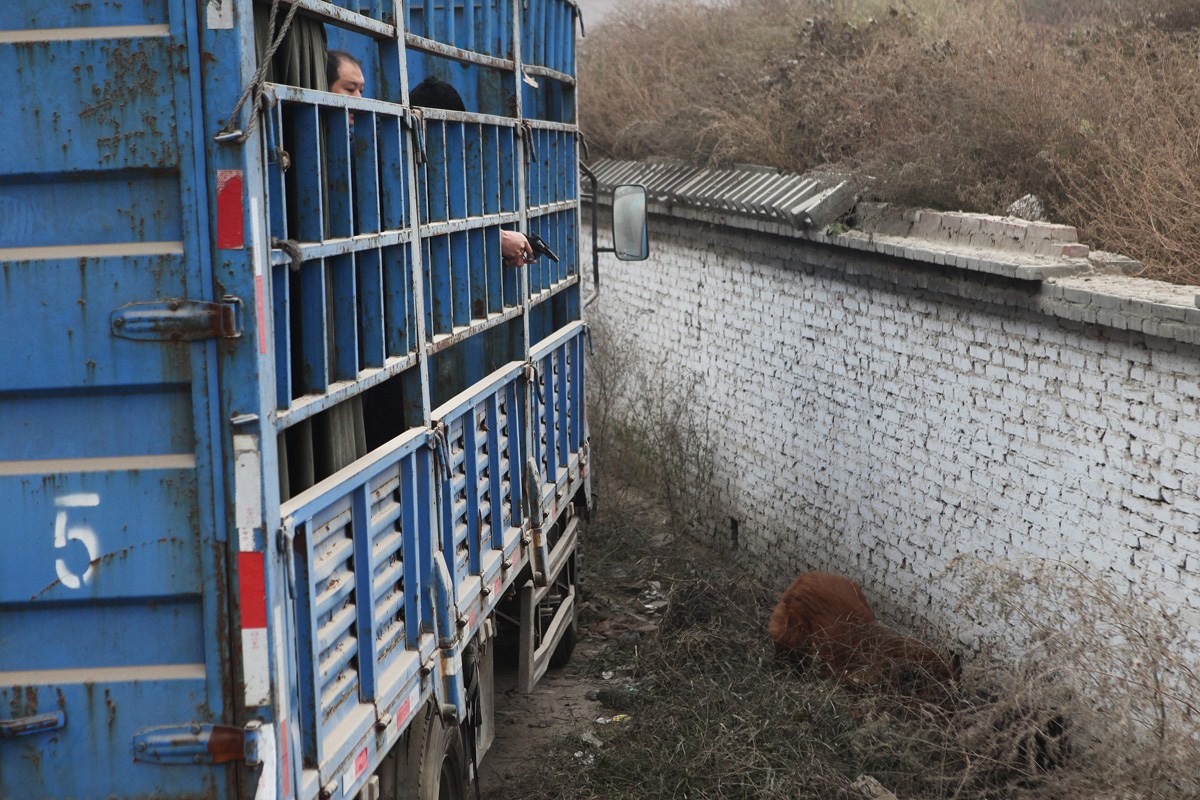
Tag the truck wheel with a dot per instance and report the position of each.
(436, 763)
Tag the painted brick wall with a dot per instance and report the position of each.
(879, 417)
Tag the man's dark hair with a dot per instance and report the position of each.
(333, 62)
(436, 93)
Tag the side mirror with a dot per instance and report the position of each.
(631, 240)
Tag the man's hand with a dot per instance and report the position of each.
(515, 249)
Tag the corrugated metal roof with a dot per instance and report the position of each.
(804, 201)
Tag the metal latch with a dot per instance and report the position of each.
(27, 726)
(178, 320)
(196, 743)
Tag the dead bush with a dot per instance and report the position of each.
(712, 715)
(646, 430)
(953, 105)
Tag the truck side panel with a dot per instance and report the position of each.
(111, 578)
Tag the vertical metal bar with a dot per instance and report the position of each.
(397, 301)
(509, 277)
(427, 256)
(491, 173)
(481, 300)
(550, 415)
(416, 602)
(456, 171)
(338, 188)
(578, 376)
(468, 25)
(449, 36)
(310, 183)
(473, 138)
(518, 429)
(435, 168)
(563, 403)
(393, 195)
(460, 279)
(472, 447)
(371, 333)
(306, 649)
(495, 479)
(364, 592)
(366, 192)
(276, 195)
(441, 299)
(314, 352)
(281, 308)
(344, 302)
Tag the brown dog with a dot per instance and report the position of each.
(826, 616)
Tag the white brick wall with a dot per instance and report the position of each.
(878, 417)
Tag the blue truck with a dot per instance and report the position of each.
(287, 454)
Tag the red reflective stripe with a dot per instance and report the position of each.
(231, 233)
(403, 712)
(360, 764)
(252, 591)
(284, 766)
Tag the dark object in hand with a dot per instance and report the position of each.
(540, 248)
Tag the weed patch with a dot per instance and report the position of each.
(1093, 106)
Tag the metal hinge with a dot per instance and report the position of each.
(178, 320)
(196, 743)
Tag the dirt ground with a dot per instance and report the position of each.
(620, 605)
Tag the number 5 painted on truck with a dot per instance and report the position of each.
(64, 535)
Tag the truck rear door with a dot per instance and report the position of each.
(113, 651)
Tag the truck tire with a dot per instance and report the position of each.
(436, 764)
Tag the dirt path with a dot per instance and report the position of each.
(620, 605)
(527, 725)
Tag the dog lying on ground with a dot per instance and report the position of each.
(826, 617)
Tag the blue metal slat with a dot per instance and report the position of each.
(492, 266)
(467, 26)
(399, 309)
(490, 167)
(516, 458)
(495, 448)
(578, 386)
(393, 163)
(339, 190)
(343, 280)
(476, 187)
(364, 598)
(508, 166)
(281, 310)
(510, 277)
(440, 291)
(481, 302)
(372, 335)
(367, 191)
(310, 181)
(314, 335)
(562, 407)
(434, 173)
(471, 446)
(460, 279)
(456, 170)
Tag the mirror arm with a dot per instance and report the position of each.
(596, 248)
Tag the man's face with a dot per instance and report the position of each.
(349, 80)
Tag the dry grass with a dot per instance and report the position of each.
(952, 104)
(713, 715)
